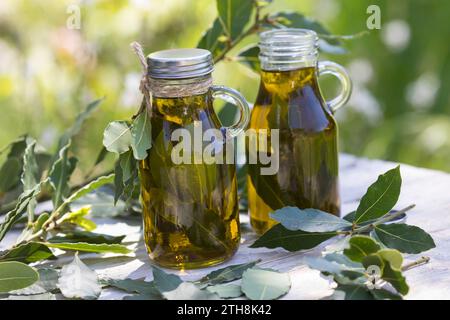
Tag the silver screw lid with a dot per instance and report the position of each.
(179, 63)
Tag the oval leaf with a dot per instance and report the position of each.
(117, 137)
(265, 284)
(16, 275)
(405, 238)
(380, 197)
(77, 281)
(165, 281)
(360, 247)
(310, 220)
(141, 133)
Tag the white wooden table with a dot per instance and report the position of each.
(428, 189)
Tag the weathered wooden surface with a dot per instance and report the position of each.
(428, 189)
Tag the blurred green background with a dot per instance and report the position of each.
(399, 109)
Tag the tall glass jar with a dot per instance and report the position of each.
(290, 100)
(190, 206)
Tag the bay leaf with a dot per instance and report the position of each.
(141, 134)
(28, 253)
(265, 284)
(77, 281)
(89, 247)
(227, 274)
(165, 281)
(279, 236)
(360, 247)
(310, 220)
(117, 137)
(380, 197)
(405, 238)
(16, 275)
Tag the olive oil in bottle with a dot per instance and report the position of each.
(290, 100)
(190, 210)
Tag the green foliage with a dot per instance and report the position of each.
(405, 238)
(381, 196)
(89, 247)
(16, 275)
(304, 229)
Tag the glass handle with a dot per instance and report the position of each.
(328, 67)
(234, 97)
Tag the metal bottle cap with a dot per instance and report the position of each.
(179, 63)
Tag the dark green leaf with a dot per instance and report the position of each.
(268, 188)
(297, 20)
(16, 275)
(27, 253)
(380, 197)
(250, 57)
(227, 274)
(405, 238)
(86, 236)
(279, 236)
(60, 175)
(118, 182)
(30, 175)
(234, 15)
(360, 247)
(211, 39)
(89, 247)
(141, 287)
(128, 165)
(14, 215)
(117, 137)
(164, 281)
(10, 174)
(309, 220)
(141, 134)
(265, 284)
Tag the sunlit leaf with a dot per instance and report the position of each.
(117, 137)
(77, 281)
(265, 284)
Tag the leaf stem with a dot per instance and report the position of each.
(421, 261)
(231, 44)
(384, 219)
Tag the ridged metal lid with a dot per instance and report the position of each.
(179, 63)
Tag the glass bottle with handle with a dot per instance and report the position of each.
(190, 203)
(290, 101)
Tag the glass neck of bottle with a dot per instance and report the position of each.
(288, 49)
